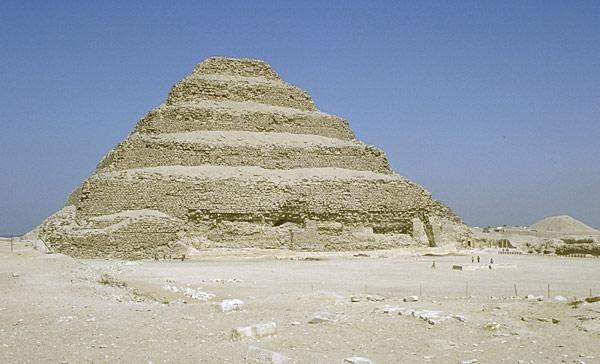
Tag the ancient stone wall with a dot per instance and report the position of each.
(148, 234)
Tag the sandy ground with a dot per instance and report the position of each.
(54, 309)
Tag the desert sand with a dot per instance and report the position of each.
(55, 308)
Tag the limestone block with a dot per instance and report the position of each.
(231, 305)
(255, 331)
(257, 355)
(358, 360)
(419, 234)
(411, 299)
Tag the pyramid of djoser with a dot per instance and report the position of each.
(238, 158)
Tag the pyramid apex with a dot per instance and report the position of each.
(244, 67)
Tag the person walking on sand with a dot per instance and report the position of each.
(478, 259)
(433, 265)
(491, 260)
(472, 259)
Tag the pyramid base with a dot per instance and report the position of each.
(150, 234)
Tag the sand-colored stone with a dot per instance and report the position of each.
(243, 148)
(236, 157)
(563, 224)
(202, 115)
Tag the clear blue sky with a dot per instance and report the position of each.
(493, 106)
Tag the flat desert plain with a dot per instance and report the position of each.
(317, 307)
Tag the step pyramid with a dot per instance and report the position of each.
(238, 158)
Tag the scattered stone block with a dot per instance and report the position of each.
(411, 299)
(358, 360)
(241, 333)
(369, 297)
(391, 309)
(374, 298)
(592, 299)
(460, 318)
(491, 326)
(590, 326)
(257, 355)
(256, 331)
(231, 305)
(262, 330)
(323, 317)
(531, 297)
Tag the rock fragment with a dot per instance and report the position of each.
(491, 326)
(410, 299)
(231, 305)
(358, 360)
(258, 355)
(255, 331)
(323, 317)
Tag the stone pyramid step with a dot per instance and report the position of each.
(204, 193)
(243, 148)
(235, 67)
(249, 116)
(237, 88)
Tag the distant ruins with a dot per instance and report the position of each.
(238, 158)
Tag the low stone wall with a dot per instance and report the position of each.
(569, 249)
(141, 238)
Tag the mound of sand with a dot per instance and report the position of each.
(562, 224)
